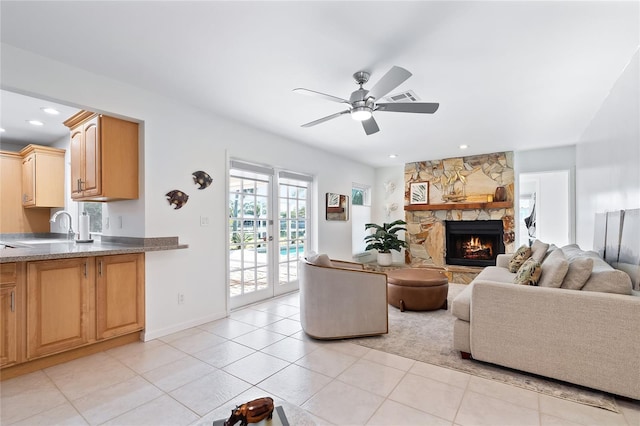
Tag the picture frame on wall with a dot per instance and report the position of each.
(419, 193)
(337, 207)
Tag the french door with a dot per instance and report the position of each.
(263, 250)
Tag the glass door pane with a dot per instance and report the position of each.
(249, 223)
(293, 225)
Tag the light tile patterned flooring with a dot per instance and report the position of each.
(198, 375)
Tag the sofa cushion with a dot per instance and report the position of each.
(519, 257)
(529, 273)
(539, 250)
(496, 274)
(319, 259)
(554, 268)
(604, 278)
(461, 306)
(578, 273)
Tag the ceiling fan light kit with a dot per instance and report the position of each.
(362, 103)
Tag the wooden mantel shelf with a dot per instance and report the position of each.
(460, 206)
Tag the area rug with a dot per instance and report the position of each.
(428, 337)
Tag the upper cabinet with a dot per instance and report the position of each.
(104, 157)
(42, 176)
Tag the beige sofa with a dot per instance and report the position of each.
(340, 299)
(589, 338)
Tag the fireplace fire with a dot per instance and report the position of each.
(473, 243)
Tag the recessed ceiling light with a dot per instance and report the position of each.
(393, 156)
(464, 146)
(35, 122)
(1, 130)
(50, 110)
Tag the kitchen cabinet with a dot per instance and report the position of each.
(104, 157)
(42, 176)
(10, 318)
(60, 298)
(119, 295)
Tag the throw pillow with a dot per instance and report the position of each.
(518, 258)
(538, 250)
(578, 273)
(529, 273)
(554, 269)
(319, 260)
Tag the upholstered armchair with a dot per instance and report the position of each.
(340, 299)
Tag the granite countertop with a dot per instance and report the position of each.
(47, 246)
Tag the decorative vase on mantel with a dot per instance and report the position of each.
(501, 194)
(385, 259)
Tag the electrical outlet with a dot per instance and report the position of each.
(180, 298)
(106, 223)
(204, 220)
(120, 222)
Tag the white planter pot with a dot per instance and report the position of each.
(385, 259)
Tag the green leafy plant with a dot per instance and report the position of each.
(385, 238)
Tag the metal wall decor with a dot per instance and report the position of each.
(177, 198)
(202, 179)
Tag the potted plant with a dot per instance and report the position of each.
(384, 239)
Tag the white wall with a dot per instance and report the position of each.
(608, 155)
(383, 198)
(178, 140)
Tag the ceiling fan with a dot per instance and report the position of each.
(362, 103)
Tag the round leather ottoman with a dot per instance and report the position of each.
(417, 289)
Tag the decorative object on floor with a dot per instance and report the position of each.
(362, 103)
(427, 337)
(419, 193)
(202, 179)
(177, 198)
(337, 207)
(278, 419)
(253, 411)
(500, 194)
(384, 239)
(417, 289)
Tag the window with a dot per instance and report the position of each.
(360, 195)
(94, 210)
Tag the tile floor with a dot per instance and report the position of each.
(198, 375)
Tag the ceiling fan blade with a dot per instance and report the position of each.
(319, 95)
(370, 126)
(392, 79)
(419, 107)
(327, 118)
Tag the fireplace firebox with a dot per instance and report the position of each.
(473, 242)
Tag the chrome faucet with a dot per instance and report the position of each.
(70, 232)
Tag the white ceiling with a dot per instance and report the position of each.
(508, 75)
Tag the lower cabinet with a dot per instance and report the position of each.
(119, 295)
(59, 296)
(78, 301)
(10, 304)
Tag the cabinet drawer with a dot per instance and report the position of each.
(7, 273)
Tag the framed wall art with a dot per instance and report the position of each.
(419, 193)
(337, 206)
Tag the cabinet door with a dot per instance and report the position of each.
(58, 306)
(76, 148)
(92, 165)
(119, 295)
(28, 181)
(8, 326)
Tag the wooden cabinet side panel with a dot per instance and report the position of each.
(57, 306)
(13, 217)
(49, 180)
(119, 158)
(119, 295)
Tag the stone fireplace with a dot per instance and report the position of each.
(474, 242)
(460, 190)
